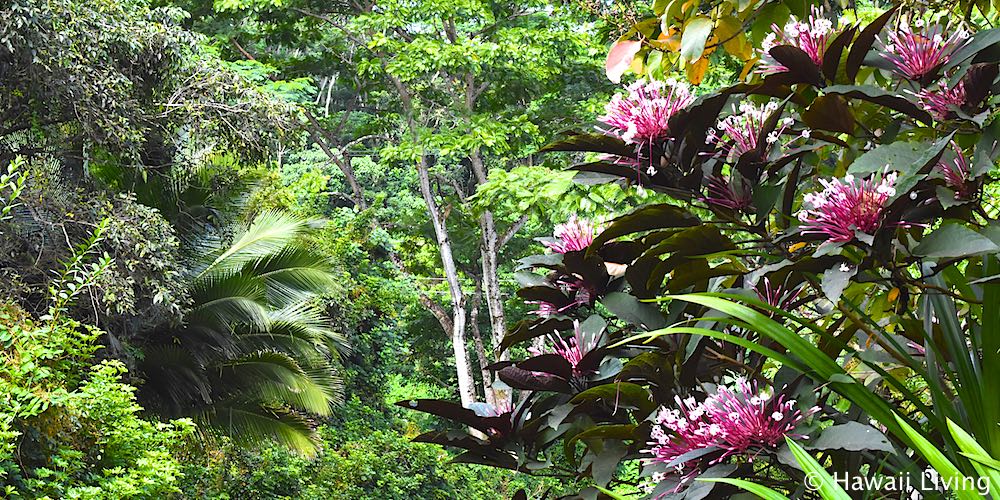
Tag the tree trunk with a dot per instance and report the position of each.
(318, 134)
(463, 368)
(491, 283)
(477, 338)
(490, 246)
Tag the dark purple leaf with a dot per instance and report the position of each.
(880, 97)
(531, 381)
(596, 143)
(801, 67)
(544, 294)
(697, 274)
(831, 113)
(620, 252)
(453, 438)
(552, 364)
(645, 219)
(831, 59)
(699, 240)
(608, 168)
(493, 459)
(637, 276)
(618, 395)
(449, 410)
(588, 266)
(978, 81)
(864, 42)
(527, 330)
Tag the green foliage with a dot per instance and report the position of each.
(76, 274)
(13, 182)
(367, 452)
(256, 351)
(69, 432)
(794, 290)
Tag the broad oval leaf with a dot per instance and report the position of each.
(620, 58)
(695, 35)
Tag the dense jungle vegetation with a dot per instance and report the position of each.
(256, 249)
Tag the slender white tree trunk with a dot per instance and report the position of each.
(463, 368)
(477, 338)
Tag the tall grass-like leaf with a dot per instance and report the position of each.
(822, 368)
(761, 491)
(821, 479)
(985, 465)
(947, 470)
(990, 328)
(968, 371)
(733, 339)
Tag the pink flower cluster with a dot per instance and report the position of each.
(641, 116)
(740, 132)
(776, 295)
(919, 54)
(727, 194)
(957, 174)
(844, 207)
(572, 349)
(578, 290)
(811, 36)
(939, 103)
(574, 235)
(739, 420)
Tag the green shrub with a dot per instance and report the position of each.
(62, 437)
(367, 453)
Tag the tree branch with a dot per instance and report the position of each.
(512, 230)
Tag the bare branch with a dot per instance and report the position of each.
(512, 230)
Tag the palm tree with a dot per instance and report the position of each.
(255, 355)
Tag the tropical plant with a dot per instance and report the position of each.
(832, 211)
(255, 352)
(829, 487)
(67, 431)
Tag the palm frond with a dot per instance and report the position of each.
(269, 233)
(255, 349)
(307, 319)
(292, 275)
(175, 377)
(250, 424)
(280, 377)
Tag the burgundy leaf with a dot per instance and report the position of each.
(831, 59)
(864, 42)
(525, 380)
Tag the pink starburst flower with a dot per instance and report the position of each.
(545, 309)
(501, 408)
(776, 295)
(917, 55)
(642, 115)
(739, 420)
(844, 207)
(957, 174)
(734, 195)
(811, 36)
(573, 349)
(579, 292)
(574, 235)
(741, 131)
(939, 103)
